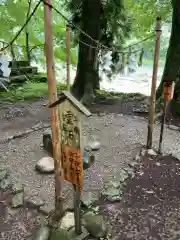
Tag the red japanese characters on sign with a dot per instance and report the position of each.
(72, 165)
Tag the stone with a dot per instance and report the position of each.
(112, 194)
(151, 152)
(132, 164)
(123, 175)
(95, 145)
(172, 127)
(82, 236)
(42, 233)
(6, 183)
(95, 225)
(138, 158)
(46, 209)
(87, 199)
(67, 221)
(17, 200)
(60, 234)
(112, 184)
(17, 187)
(3, 174)
(143, 151)
(47, 141)
(142, 109)
(88, 160)
(36, 201)
(45, 165)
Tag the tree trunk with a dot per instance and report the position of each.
(172, 64)
(87, 75)
(27, 34)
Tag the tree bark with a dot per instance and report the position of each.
(27, 34)
(87, 75)
(172, 64)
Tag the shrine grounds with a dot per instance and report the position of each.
(149, 205)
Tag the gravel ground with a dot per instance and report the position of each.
(120, 136)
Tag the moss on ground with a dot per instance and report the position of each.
(34, 90)
(29, 91)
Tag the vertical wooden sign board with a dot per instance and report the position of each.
(70, 124)
(168, 92)
(71, 111)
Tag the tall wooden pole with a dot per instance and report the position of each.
(68, 55)
(154, 80)
(52, 94)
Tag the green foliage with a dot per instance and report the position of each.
(29, 91)
(115, 20)
(145, 14)
(14, 15)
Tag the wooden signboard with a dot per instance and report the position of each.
(71, 113)
(168, 90)
(72, 165)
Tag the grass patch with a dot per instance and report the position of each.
(35, 90)
(119, 95)
(29, 91)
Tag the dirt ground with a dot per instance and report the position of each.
(150, 205)
(121, 137)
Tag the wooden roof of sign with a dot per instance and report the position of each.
(67, 95)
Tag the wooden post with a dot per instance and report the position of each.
(68, 55)
(168, 92)
(52, 94)
(154, 80)
(162, 126)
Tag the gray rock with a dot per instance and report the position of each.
(42, 233)
(18, 200)
(112, 184)
(114, 198)
(3, 174)
(143, 151)
(17, 187)
(60, 234)
(87, 199)
(95, 145)
(138, 158)
(172, 127)
(45, 165)
(95, 225)
(132, 164)
(123, 175)
(67, 221)
(46, 209)
(6, 183)
(82, 236)
(112, 194)
(142, 109)
(47, 141)
(36, 201)
(151, 152)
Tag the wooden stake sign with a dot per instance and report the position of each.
(168, 92)
(71, 111)
(72, 165)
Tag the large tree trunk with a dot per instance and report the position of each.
(172, 64)
(27, 34)
(87, 75)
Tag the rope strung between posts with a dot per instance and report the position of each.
(98, 44)
(92, 39)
